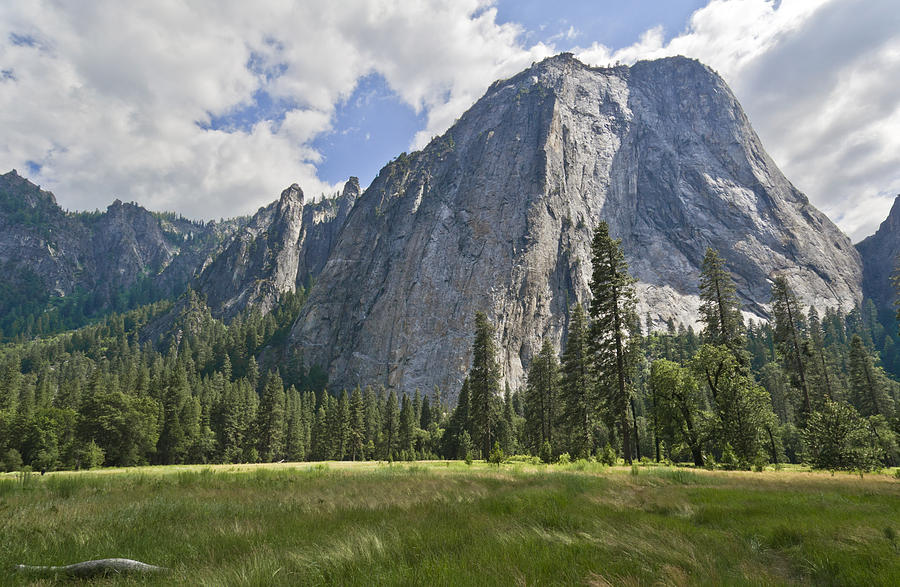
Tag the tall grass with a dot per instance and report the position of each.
(448, 523)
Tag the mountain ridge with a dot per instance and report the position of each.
(497, 214)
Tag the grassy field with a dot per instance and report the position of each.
(453, 524)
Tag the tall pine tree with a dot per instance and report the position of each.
(612, 309)
(720, 310)
(484, 386)
(789, 333)
(577, 388)
(541, 393)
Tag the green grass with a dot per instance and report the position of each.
(452, 524)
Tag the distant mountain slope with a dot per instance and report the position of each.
(497, 215)
(881, 258)
(102, 258)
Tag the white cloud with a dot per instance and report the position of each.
(116, 99)
(107, 96)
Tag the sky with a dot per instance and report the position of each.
(210, 108)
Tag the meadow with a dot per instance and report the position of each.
(448, 523)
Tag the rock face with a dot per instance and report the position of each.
(497, 215)
(284, 245)
(103, 254)
(881, 258)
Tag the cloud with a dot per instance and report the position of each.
(211, 107)
(155, 102)
(818, 81)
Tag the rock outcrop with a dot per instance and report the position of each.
(285, 245)
(497, 215)
(881, 258)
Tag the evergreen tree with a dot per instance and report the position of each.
(173, 439)
(426, 417)
(407, 427)
(720, 310)
(577, 387)
(820, 371)
(373, 423)
(789, 332)
(321, 443)
(357, 426)
(343, 428)
(612, 310)
(460, 422)
(868, 384)
(484, 385)
(391, 433)
(506, 427)
(294, 437)
(541, 393)
(417, 407)
(270, 423)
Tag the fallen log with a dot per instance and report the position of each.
(105, 566)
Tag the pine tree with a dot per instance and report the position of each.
(484, 385)
(720, 310)
(612, 308)
(357, 426)
(576, 386)
(294, 437)
(426, 418)
(541, 391)
(320, 441)
(820, 376)
(373, 423)
(789, 333)
(417, 407)
(173, 440)
(390, 436)
(270, 423)
(868, 384)
(460, 422)
(407, 427)
(342, 431)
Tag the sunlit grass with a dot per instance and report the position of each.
(449, 523)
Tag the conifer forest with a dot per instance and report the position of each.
(812, 385)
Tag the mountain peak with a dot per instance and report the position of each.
(16, 190)
(351, 187)
(293, 192)
(893, 218)
(497, 215)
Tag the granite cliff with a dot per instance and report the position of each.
(880, 255)
(285, 245)
(497, 215)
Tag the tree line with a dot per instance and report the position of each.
(799, 388)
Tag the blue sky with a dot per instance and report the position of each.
(371, 127)
(211, 107)
(615, 23)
